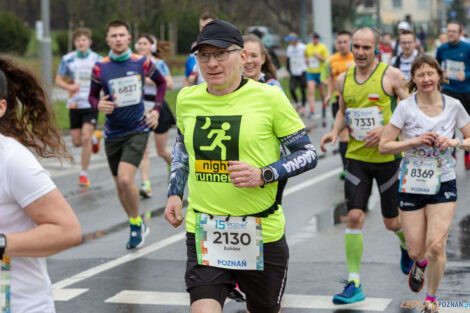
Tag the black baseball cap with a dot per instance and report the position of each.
(220, 34)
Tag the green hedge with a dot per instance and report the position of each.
(14, 35)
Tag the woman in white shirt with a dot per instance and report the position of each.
(427, 192)
(35, 219)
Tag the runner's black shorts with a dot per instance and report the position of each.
(263, 289)
(464, 98)
(129, 148)
(165, 119)
(358, 185)
(78, 117)
(413, 202)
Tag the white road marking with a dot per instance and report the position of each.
(312, 181)
(67, 294)
(119, 261)
(325, 302)
(150, 297)
(288, 301)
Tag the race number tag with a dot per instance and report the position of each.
(127, 90)
(453, 68)
(313, 63)
(420, 176)
(363, 120)
(236, 243)
(5, 282)
(83, 78)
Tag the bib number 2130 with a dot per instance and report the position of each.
(232, 243)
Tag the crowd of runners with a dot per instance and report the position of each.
(239, 139)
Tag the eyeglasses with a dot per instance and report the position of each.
(204, 57)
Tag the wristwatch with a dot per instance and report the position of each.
(267, 175)
(460, 142)
(3, 245)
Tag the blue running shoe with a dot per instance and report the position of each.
(406, 263)
(138, 234)
(350, 294)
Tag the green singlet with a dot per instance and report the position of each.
(244, 125)
(368, 94)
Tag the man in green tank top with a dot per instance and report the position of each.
(227, 151)
(368, 95)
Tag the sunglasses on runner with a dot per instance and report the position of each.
(204, 57)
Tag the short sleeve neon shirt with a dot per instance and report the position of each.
(244, 125)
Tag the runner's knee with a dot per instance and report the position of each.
(125, 181)
(392, 224)
(436, 249)
(355, 219)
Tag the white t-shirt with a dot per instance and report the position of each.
(413, 122)
(296, 55)
(405, 64)
(79, 70)
(22, 181)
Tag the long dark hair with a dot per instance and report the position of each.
(268, 67)
(29, 117)
(419, 61)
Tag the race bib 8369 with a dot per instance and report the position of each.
(420, 175)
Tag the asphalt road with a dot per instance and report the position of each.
(102, 276)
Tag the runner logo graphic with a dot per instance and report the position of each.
(215, 142)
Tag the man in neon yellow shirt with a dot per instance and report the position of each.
(367, 95)
(227, 149)
(316, 54)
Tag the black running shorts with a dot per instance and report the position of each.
(413, 202)
(129, 148)
(263, 289)
(358, 185)
(165, 119)
(78, 117)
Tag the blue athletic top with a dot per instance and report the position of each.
(457, 53)
(124, 82)
(189, 65)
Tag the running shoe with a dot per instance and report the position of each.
(138, 234)
(236, 295)
(416, 278)
(83, 181)
(406, 263)
(302, 111)
(350, 294)
(467, 161)
(95, 141)
(145, 190)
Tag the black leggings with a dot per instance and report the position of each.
(298, 80)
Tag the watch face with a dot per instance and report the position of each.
(2, 241)
(268, 175)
